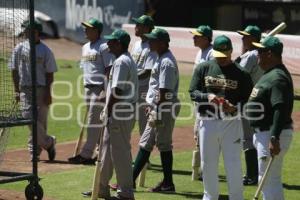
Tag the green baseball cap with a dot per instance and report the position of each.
(93, 23)
(270, 43)
(158, 34)
(202, 31)
(144, 20)
(36, 25)
(251, 30)
(120, 35)
(222, 47)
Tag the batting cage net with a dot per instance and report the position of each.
(13, 13)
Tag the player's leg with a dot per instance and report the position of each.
(210, 152)
(251, 175)
(106, 165)
(93, 129)
(231, 145)
(164, 145)
(141, 109)
(272, 188)
(120, 134)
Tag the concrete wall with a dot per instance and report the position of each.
(68, 14)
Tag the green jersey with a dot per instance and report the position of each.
(273, 89)
(230, 82)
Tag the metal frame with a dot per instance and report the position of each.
(33, 191)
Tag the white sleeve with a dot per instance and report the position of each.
(14, 60)
(50, 63)
(167, 75)
(107, 57)
(120, 74)
(150, 61)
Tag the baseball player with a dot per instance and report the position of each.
(273, 94)
(249, 62)
(144, 59)
(122, 95)
(202, 39)
(162, 99)
(221, 88)
(94, 61)
(21, 72)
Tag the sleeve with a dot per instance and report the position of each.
(119, 76)
(81, 64)
(196, 90)
(249, 63)
(107, 57)
(246, 88)
(151, 59)
(278, 92)
(167, 75)
(50, 63)
(14, 60)
(278, 120)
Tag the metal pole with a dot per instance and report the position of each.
(33, 79)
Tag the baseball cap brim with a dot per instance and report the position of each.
(86, 24)
(150, 36)
(258, 45)
(110, 37)
(243, 33)
(220, 54)
(195, 32)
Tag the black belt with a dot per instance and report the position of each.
(91, 85)
(261, 129)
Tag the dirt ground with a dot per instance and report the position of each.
(18, 160)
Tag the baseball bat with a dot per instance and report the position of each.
(196, 164)
(277, 29)
(142, 177)
(97, 174)
(79, 140)
(263, 179)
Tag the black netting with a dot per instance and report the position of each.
(12, 15)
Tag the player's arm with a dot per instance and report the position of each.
(49, 81)
(196, 90)
(51, 67)
(16, 79)
(148, 65)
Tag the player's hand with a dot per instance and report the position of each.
(212, 98)
(148, 110)
(274, 147)
(228, 107)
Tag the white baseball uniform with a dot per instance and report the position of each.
(144, 59)
(45, 63)
(95, 58)
(116, 142)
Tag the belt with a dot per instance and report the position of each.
(261, 129)
(91, 85)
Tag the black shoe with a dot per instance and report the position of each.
(81, 160)
(51, 150)
(87, 193)
(249, 181)
(163, 187)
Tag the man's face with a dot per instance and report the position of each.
(247, 42)
(154, 45)
(140, 30)
(92, 34)
(263, 57)
(200, 41)
(224, 61)
(114, 46)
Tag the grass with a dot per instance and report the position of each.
(69, 184)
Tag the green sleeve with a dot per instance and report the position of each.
(197, 85)
(278, 120)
